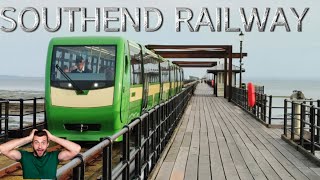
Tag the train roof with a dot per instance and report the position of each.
(87, 40)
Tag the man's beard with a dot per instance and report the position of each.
(36, 152)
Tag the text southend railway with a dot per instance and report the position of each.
(115, 19)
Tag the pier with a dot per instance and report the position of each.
(217, 140)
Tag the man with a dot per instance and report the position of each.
(80, 64)
(39, 163)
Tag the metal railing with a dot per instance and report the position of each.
(264, 109)
(17, 108)
(151, 132)
(4, 116)
(302, 123)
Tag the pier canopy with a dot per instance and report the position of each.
(220, 68)
(201, 51)
(194, 51)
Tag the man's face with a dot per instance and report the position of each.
(40, 145)
(80, 65)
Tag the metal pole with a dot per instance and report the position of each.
(270, 109)
(21, 117)
(285, 117)
(240, 79)
(312, 118)
(34, 113)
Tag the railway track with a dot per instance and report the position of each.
(11, 170)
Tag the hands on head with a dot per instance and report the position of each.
(48, 134)
(31, 135)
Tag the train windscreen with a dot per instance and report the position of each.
(86, 67)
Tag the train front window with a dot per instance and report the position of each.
(87, 67)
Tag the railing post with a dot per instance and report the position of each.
(138, 156)
(21, 116)
(78, 172)
(285, 116)
(292, 119)
(1, 116)
(146, 148)
(318, 121)
(264, 107)
(312, 116)
(257, 110)
(126, 153)
(302, 119)
(107, 160)
(270, 109)
(34, 113)
(6, 121)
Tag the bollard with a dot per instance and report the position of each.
(296, 97)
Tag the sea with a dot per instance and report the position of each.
(15, 87)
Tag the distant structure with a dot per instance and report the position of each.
(193, 78)
(218, 72)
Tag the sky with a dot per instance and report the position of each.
(274, 55)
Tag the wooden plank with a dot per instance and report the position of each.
(178, 171)
(216, 162)
(228, 165)
(165, 171)
(253, 145)
(288, 166)
(193, 157)
(247, 157)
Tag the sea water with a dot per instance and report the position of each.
(29, 87)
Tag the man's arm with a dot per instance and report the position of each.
(72, 149)
(8, 150)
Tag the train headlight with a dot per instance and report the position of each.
(95, 85)
(69, 85)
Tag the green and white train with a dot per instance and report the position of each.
(123, 80)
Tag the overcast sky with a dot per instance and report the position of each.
(278, 54)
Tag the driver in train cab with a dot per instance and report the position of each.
(80, 66)
(39, 164)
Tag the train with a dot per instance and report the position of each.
(96, 85)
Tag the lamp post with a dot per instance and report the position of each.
(241, 36)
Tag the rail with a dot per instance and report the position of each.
(17, 108)
(264, 110)
(4, 112)
(151, 132)
(302, 123)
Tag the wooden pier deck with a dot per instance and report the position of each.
(218, 140)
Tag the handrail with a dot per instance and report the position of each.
(20, 103)
(302, 124)
(4, 117)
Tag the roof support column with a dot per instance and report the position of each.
(225, 77)
(230, 73)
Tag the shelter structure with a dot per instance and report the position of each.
(218, 77)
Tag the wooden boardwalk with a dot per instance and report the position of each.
(217, 140)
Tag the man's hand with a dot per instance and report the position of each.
(48, 134)
(72, 149)
(30, 137)
(8, 148)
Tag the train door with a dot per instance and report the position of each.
(145, 92)
(125, 101)
(145, 79)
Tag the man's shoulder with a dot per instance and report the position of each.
(24, 152)
(54, 153)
